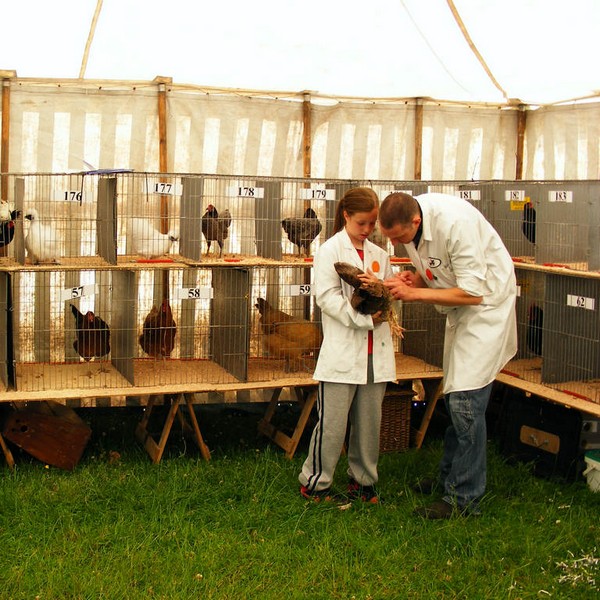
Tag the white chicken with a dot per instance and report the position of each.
(147, 241)
(41, 241)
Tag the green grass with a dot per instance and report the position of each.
(236, 527)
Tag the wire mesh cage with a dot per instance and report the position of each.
(66, 219)
(66, 334)
(190, 326)
(558, 331)
(285, 324)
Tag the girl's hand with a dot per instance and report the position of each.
(377, 318)
(368, 277)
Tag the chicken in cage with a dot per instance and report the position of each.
(64, 325)
(67, 219)
(286, 330)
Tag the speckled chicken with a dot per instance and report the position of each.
(302, 231)
(93, 335)
(158, 332)
(286, 337)
(369, 298)
(215, 227)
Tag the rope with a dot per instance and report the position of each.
(476, 52)
(88, 43)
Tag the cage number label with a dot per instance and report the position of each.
(470, 195)
(164, 188)
(516, 198)
(560, 196)
(244, 191)
(385, 193)
(304, 289)
(317, 194)
(581, 302)
(68, 196)
(81, 291)
(202, 293)
(514, 195)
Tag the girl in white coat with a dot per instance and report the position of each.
(356, 359)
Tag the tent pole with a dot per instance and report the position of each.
(4, 143)
(418, 139)
(163, 166)
(521, 126)
(306, 139)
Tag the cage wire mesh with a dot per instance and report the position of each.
(216, 335)
(63, 330)
(62, 219)
(286, 330)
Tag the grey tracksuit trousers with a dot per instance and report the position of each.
(340, 405)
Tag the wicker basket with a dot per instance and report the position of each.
(395, 419)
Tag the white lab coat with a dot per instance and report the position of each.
(460, 248)
(343, 355)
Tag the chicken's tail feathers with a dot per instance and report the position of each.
(226, 216)
(77, 314)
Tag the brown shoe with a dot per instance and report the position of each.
(437, 510)
(427, 485)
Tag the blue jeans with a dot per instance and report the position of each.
(463, 467)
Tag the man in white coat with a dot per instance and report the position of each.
(464, 269)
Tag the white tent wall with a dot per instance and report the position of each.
(60, 126)
(563, 142)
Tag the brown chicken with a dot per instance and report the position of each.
(286, 337)
(93, 335)
(215, 228)
(301, 231)
(369, 298)
(159, 330)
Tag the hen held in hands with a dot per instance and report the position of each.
(370, 297)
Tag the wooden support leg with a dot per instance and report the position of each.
(197, 434)
(433, 391)
(156, 449)
(287, 443)
(10, 461)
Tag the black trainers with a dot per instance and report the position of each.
(317, 496)
(366, 493)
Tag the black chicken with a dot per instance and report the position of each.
(301, 231)
(535, 323)
(93, 335)
(529, 222)
(7, 229)
(215, 228)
